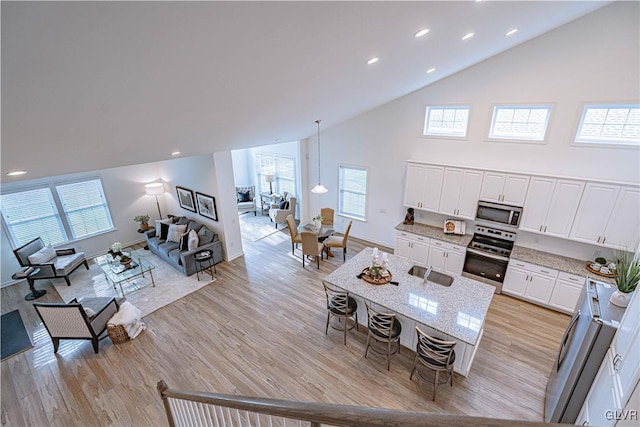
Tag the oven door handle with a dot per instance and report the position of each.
(487, 255)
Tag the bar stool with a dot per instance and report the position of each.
(435, 354)
(384, 328)
(342, 306)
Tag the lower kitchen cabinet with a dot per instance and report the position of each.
(529, 281)
(413, 247)
(566, 292)
(446, 257)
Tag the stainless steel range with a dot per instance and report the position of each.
(488, 255)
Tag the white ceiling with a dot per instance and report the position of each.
(93, 85)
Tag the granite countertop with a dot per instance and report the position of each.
(458, 310)
(435, 233)
(557, 262)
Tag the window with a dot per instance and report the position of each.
(283, 169)
(352, 197)
(58, 212)
(446, 121)
(610, 124)
(525, 123)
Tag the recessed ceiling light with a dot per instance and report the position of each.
(175, 153)
(430, 70)
(467, 36)
(511, 32)
(421, 33)
(16, 173)
(373, 60)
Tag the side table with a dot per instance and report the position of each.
(204, 263)
(35, 293)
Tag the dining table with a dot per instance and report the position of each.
(323, 233)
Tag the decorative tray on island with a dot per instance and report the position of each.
(380, 280)
(588, 266)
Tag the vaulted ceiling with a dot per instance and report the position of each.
(93, 85)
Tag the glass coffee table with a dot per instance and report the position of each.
(117, 274)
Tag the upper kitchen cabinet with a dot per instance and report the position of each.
(460, 192)
(507, 188)
(551, 206)
(608, 215)
(423, 186)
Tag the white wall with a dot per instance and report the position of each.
(593, 59)
(125, 193)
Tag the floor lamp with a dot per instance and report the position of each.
(155, 189)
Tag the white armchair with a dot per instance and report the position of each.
(280, 214)
(246, 196)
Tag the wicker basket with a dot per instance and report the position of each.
(117, 333)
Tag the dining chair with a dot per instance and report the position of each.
(384, 328)
(435, 354)
(342, 306)
(327, 216)
(311, 247)
(293, 232)
(339, 242)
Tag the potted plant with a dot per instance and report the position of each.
(627, 274)
(143, 220)
(125, 260)
(317, 221)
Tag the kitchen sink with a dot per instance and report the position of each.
(433, 276)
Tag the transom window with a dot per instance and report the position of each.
(524, 123)
(446, 121)
(57, 212)
(352, 195)
(283, 170)
(610, 124)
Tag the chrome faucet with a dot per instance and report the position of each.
(426, 274)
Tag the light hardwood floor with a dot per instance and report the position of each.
(259, 331)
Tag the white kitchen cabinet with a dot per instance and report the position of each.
(551, 205)
(529, 281)
(566, 292)
(510, 189)
(446, 257)
(608, 216)
(460, 192)
(423, 186)
(413, 247)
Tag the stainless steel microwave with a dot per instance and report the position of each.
(499, 214)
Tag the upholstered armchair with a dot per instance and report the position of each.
(53, 263)
(246, 196)
(78, 320)
(280, 214)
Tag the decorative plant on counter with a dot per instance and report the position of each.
(627, 275)
(627, 272)
(143, 220)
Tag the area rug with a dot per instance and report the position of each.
(15, 338)
(256, 227)
(170, 284)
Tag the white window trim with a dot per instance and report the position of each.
(367, 194)
(601, 144)
(423, 130)
(543, 141)
(58, 204)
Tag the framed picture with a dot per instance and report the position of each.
(185, 198)
(207, 206)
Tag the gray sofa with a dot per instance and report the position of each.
(183, 260)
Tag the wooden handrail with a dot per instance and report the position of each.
(333, 414)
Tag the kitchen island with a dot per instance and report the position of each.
(454, 313)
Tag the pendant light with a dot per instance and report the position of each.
(319, 189)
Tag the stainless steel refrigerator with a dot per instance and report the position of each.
(583, 347)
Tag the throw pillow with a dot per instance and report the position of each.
(205, 236)
(184, 241)
(283, 204)
(175, 232)
(243, 196)
(43, 255)
(164, 230)
(286, 205)
(161, 221)
(194, 240)
(89, 312)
